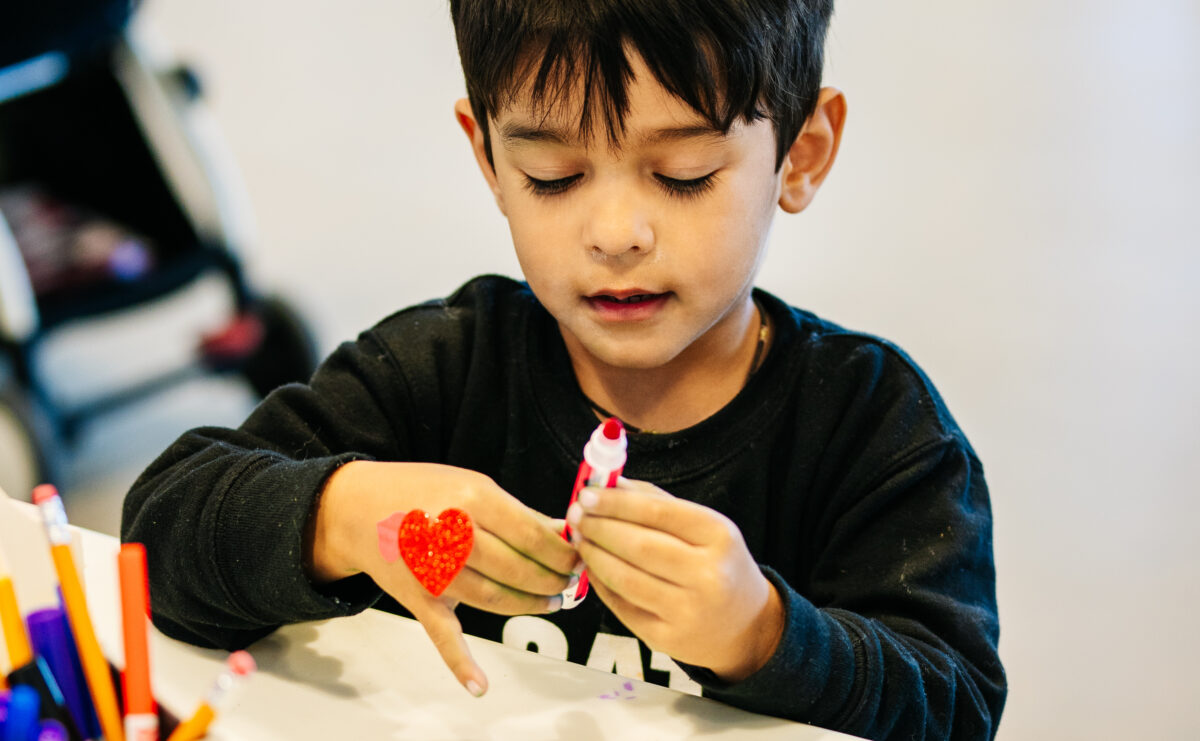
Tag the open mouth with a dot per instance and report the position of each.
(636, 298)
(632, 305)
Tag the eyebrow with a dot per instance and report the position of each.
(514, 133)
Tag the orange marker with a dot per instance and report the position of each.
(16, 641)
(239, 664)
(141, 716)
(95, 666)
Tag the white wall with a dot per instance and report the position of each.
(1013, 204)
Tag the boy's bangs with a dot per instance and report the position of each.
(549, 51)
(560, 75)
(727, 59)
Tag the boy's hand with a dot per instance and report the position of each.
(679, 576)
(519, 563)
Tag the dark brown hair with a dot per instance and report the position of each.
(727, 59)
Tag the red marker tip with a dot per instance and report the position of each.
(612, 428)
(42, 492)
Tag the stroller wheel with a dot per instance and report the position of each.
(285, 354)
(28, 445)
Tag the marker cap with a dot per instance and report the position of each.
(604, 452)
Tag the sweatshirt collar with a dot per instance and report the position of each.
(552, 389)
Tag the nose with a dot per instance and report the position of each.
(618, 222)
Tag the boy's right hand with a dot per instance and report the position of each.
(518, 565)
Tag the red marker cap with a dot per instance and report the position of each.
(612, 428)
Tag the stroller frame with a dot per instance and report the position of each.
(116, 129)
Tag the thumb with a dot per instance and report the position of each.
(444, 630)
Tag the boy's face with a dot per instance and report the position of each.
(644, 252)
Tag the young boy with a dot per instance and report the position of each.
(804, 530)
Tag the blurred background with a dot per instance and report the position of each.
(1014, 204)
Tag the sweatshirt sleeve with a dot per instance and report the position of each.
(223, 512)
(896, 636)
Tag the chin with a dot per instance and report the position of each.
(633, 357)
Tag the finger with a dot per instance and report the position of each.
(548, 522)
(636, 586)
(500, 562)
(444, 630)
(474, 589)
(643, 486)
(527, 531)
(659, 553)
(643, 623)
(647, 505)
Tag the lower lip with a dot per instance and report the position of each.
(628, 312)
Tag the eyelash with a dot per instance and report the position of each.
(550, 187)
(671, 186)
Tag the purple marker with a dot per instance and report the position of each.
(51, 639)
(52, 730)
(92, 730)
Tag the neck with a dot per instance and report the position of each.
(686, 390)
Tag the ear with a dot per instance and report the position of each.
(811, 156)
(471, 127)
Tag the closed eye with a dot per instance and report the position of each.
(686, 188)
(550, 187)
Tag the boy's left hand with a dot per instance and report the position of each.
(678, 575)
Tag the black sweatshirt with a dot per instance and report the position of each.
(852, 485)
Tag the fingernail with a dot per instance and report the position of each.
(574, 512)
(572, 583)
(554, 604)
(474, 688)
(579, 567)
(588, 499)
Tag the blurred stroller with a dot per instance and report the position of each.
(112, 195)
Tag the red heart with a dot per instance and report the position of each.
(436, 549)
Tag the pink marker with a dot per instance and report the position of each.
(603, 461)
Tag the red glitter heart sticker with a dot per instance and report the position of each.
(436, 549)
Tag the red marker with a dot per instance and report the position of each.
(603, 461)
(141, 717)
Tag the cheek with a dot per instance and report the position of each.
(525, 222)
(543, 247)
(733, 235)
(736, 225)
(756, 211)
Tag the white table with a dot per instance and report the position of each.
(377, 676)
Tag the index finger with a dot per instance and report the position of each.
(525, 530)
(645, 504)
(444, 630)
